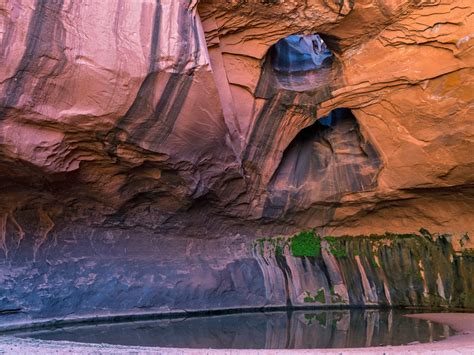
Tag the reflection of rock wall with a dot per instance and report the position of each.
(269, 330)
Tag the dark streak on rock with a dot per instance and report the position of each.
(160, 124)
(154, 126)
(281, 262)
(155, 37)
(44, 41)
(266, 128)
(319, 261)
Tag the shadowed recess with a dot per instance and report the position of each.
(325, 160)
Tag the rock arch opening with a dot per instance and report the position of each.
(300, 63)
(324, 161)
(300, 53)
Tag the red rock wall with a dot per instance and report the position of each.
(159, 119)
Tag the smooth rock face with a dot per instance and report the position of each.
(405, 270)
(92, 273)
(129, 128)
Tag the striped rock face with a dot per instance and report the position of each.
(145, 140)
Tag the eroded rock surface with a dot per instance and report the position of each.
(130, 128)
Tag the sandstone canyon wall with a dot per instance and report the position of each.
(145, 144)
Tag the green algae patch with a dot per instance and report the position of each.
(278, 250)
(319, 297)
(308, 298)
(336, 247)
(306, 243)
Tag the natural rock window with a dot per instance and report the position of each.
(300, 53)
(299, 63)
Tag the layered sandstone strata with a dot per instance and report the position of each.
(132, 132)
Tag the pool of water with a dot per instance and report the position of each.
(260, 330)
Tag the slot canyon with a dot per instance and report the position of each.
(162, 156)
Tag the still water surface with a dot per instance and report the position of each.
(258, 330)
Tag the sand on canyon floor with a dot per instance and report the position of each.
(461, 343)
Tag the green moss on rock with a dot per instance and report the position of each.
(336, 247)
(319, 297)
(306, 244)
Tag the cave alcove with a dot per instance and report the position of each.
(325, 161)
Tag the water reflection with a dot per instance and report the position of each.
(275, 330)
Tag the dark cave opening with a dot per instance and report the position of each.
(324, 161)
(333, 140)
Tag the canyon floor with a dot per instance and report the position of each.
(461, 343)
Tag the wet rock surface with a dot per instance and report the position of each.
(123, 275)
(145, 144)
(389, 270)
